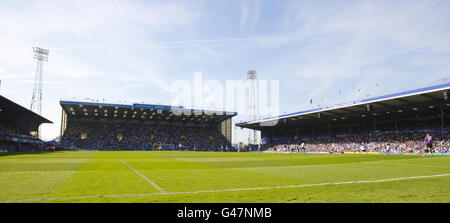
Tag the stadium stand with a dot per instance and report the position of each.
(19, 128)
(394, 123)
(100, 126)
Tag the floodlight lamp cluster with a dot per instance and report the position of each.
(40, 54)
(251, 74)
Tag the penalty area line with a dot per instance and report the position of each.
(145, 178)
(225, 190)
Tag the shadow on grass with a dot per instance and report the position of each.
(24, 153)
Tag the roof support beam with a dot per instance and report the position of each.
(357, 114)
(402, 100)
(430, 97)
(387, 106)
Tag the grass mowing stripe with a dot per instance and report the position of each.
(229, 190)
(412, 165)
(145, 178)
(37, 175)
(419, 158)
(344, 164)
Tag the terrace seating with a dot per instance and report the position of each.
(135, 136)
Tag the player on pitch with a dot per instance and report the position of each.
(429, 144)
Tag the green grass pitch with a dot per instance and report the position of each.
(185, 177)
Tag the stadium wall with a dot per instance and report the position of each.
(225, 129)
(63, 122)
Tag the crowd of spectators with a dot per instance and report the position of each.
(10, 141)
(142, 136)
(5, 133)
(384, 142)
(7, 146)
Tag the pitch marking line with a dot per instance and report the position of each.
(145, 178)
(228, 190)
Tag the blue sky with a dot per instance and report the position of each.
(134, 50)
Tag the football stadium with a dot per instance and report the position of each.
(372, 150)
(229, 102)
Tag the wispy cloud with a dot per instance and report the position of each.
(250, 14)
(363, 39)
(6, 76)
(93, 70)
(137, 80)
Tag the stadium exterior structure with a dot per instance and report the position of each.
(145, 113)
(424, 105)
(19, 127)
